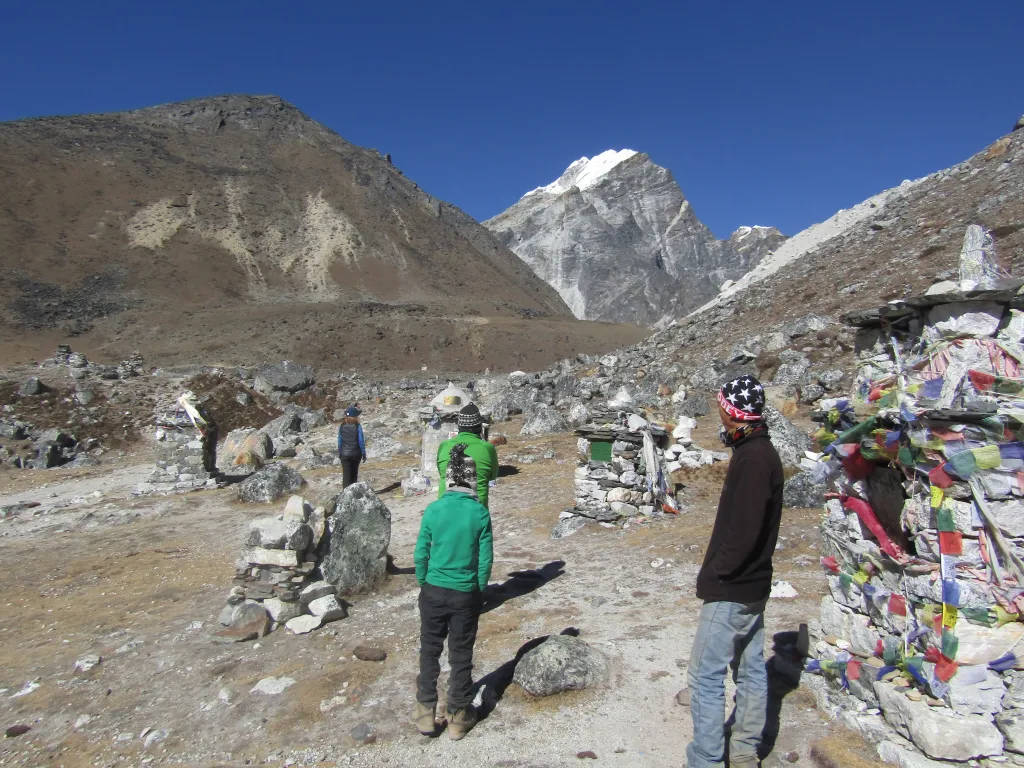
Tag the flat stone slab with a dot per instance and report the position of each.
(271, 686)
(300, 625)
(327, 608)
(939, 733)
(285, 558)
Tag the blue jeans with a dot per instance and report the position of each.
(728, 635)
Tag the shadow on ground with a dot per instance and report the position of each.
(492, 686)
(783, 668)
(520, 583)
(507, 470)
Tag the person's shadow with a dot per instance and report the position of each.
(783, 668)
(507, 470)
(520, 583)
(492, 686)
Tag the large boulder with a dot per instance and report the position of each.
(270, 484)
(800, 491)
(357, 550)
(282, 377)
(243, 441)
(787, 438)
(274, 533)
(544, 420)
(560, 663)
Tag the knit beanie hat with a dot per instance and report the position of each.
(461, 471)
(742, 398)
(469, 417)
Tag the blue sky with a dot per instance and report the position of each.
(767, 113)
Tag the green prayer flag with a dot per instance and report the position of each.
(944, 520)
(950, 643)
(978, 616)
(600, 451)
(905, 456)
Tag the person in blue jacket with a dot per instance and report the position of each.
(351, 446)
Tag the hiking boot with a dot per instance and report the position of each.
(424, 718)
(460, 723)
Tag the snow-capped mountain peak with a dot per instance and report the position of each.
(585, 173)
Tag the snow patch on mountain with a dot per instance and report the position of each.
(585, 173)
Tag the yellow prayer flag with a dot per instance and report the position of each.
(936, 497)
(987, 457)
(949, 615)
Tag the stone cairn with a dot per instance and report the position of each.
(624, 469)
(182, 455)
(274, 582)
(923, 538)
(295, 565)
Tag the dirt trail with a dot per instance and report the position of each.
(141, 583)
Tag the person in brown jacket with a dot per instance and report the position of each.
(734, 583)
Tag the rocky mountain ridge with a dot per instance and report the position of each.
(150, 229)
(615, 236)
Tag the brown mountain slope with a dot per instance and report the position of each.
(239, 227)
(913, 242)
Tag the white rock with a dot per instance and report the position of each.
(622, 399)
(300, 625)
(271, 686)
(280, 611)
(679, 396)
(286, 558)
(636, 423)
(904, 758)
(784, 590)
(26, 689)
(154, 736)
(327, 608)
(297, 508)
(965, 319)
(81, 722)
(673, 466)
(315, 591)
(684, 428)
(623, 509)
(86, 663)
(619, 494)
(939, 733)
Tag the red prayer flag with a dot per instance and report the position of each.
(939, 478)
(951, 542)
(879, 648)
(982, 381)
(830, 563)
(897, 605)
(945, 668)
(853, 670)
(932, 654)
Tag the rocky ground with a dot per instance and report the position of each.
(139, 582)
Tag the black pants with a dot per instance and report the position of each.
(455, 615)
(350, 470)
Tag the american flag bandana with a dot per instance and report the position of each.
(742, 398)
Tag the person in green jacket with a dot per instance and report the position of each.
(482, 452)
(454, 553)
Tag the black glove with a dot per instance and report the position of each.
(364, 459)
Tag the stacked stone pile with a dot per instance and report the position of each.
(179, 456)
(923, 542)
(295, 566)
(622, 471)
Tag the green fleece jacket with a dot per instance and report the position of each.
(455, 549)
(482, 452)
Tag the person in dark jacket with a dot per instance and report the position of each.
(734, 583)
(351, 446)
(453, 557)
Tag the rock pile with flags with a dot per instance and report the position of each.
(923, 534)
(185, 448)
(625, 466)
